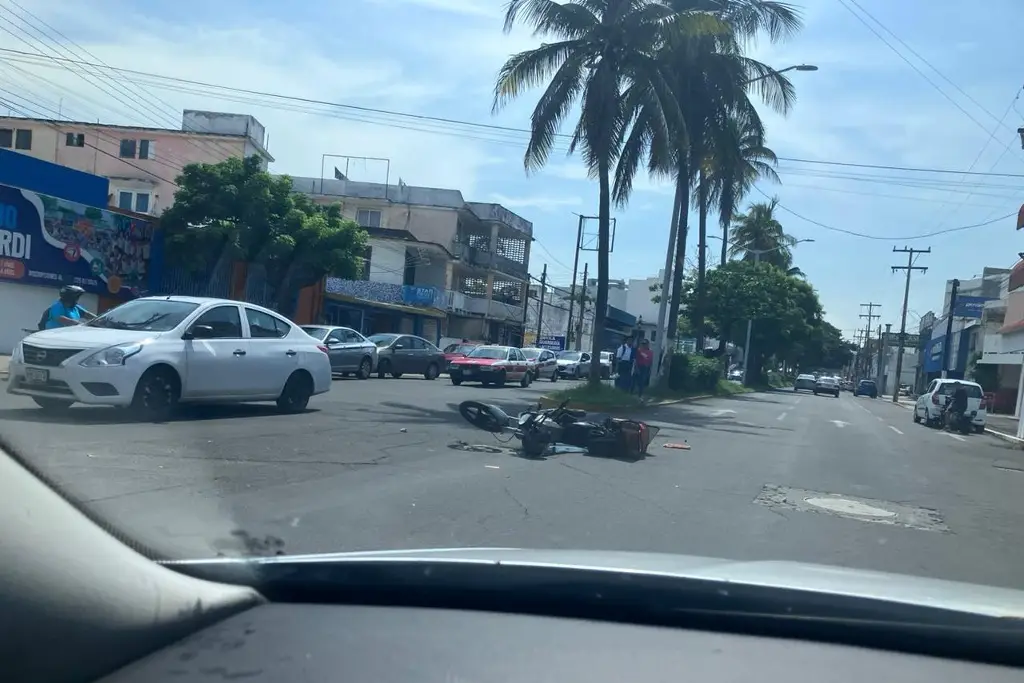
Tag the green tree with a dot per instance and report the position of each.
(600, 61)
(235, 211)
(788, 323)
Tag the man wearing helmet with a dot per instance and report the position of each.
(66, 310)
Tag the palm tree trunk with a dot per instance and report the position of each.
(683, 190)
(725, 242)
(702, 261)
(604, 210)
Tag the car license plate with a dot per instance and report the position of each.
(467, 371)
(37, 376)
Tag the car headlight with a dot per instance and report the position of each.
(112, 355)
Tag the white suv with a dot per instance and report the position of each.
(929, 404)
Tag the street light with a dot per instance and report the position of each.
(750, 321)
(795, 67)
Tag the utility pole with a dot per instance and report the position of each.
(583, 309)
(948, 341)
(870, 315)
(910, 268)
(575, 267)
(881, 348)
(540, 309)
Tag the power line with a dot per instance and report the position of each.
(41, 60)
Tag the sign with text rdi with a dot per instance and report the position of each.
(50, 241)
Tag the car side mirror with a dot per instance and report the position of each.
(398, 347)
(198, 332)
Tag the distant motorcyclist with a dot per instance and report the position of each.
(66, 311)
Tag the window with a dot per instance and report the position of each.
(225, 321)
(23, 139)
(128, 200)
(127, 149)
(364, 266)
(74, 140)
(6, 138)
(368, 218)
(265, 326)
(146, 149)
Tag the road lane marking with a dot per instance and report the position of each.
(781, 417)
(956, 436)
(797, 402)
(895, 430)
(492, 467)
(839, 423)
(721, 412)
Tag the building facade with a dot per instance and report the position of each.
(140, 163)
(436, 265)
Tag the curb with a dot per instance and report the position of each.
(1002, 436)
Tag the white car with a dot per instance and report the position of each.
(929, 405)
(151, 353)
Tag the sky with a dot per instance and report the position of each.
(931, 84)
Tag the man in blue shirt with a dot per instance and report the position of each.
(65, 310)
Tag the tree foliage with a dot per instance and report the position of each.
(236, 211)
(788, 320)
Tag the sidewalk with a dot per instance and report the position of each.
(1000, 426)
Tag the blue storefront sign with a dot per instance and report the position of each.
(970, 306)
(52, 242)
(552, 343)
(421, 295)
(933, 355)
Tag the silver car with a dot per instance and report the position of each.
(349, 351)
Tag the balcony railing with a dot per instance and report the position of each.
(387, 293)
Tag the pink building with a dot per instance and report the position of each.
(141, 163)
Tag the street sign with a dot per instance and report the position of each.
(910, 341)
(551, 343)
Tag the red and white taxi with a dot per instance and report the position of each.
(491, 365)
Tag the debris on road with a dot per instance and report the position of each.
(677, 446)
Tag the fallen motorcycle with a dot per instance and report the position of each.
(542, 430)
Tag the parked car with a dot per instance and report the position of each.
(153, 353)
(805, 382)
(736, 376)
(606, 365)
(402, 354)
(573, 364)
(866, 387)
(491, 365)
(453, 351)
(349, 351)
(929, 405)
(826, 385)
(542, 363)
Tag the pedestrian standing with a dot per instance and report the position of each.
(624, 365)
(642, 362)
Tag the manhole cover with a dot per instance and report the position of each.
(849, 507)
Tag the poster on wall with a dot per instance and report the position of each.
(50, 241)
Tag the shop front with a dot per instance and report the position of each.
(374, 317)
(47, 242)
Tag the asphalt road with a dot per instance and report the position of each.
(772, 476)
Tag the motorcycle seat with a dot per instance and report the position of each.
(576, 414)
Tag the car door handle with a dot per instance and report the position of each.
(239, 352)
(290, 352)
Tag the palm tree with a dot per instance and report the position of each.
(603, 60)
(710, 76)
(741, 158)
(759, 234)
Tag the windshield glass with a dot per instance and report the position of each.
(488, 352)
(382, 340)
(249, 438)
(148, 315)
(316, 332)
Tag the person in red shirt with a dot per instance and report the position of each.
(643, 359)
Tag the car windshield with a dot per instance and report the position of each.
(316, 332)
(495, 352)
(382, 340)
(239, 436)
(146, 315)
